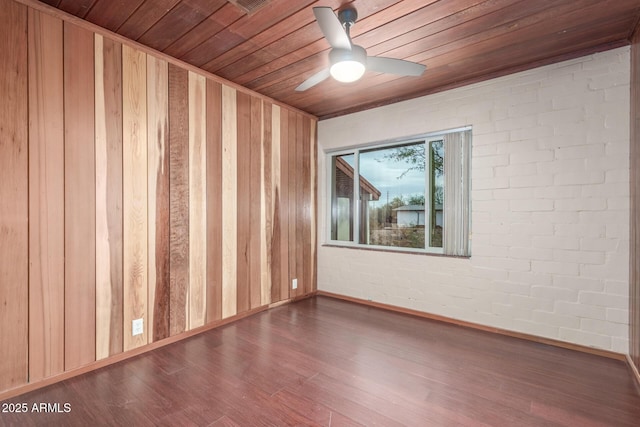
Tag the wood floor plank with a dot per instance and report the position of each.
(14, 202)
(365, 409)
(214, 201)
(315, 411)
(384, 368)
(179, 196)
(197, 200)
(158, 191)
(225, 421)
(46, 195)
(79, 198)
(135, 214)
(229, 202)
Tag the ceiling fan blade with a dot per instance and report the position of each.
(394, 66)
(332, 28)
(313, 80)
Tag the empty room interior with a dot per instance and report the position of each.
(320, 212)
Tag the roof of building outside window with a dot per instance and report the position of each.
(416, 208)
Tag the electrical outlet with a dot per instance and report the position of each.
(294, 284)
(137, 327)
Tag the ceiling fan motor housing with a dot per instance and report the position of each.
(357, 53)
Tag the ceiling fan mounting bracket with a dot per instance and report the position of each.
(347, 17)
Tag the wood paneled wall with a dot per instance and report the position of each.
(14, 202)
(134, 188)
(634, 238)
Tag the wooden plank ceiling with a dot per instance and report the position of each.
(279, 45)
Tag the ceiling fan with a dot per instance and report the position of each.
(350, 61)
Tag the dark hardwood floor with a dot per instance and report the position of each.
(326, 362)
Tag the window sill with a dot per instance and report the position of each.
(394, 251)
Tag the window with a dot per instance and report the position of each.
(408, 195)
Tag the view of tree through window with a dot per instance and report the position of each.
(437, 192)
(400, 192)
(397, 216)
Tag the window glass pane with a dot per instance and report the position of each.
(342, 200)
(436, 181)
(392, 196)
(407, 195)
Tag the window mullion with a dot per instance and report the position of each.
(428, 197)
(333, 206)
(356, 197)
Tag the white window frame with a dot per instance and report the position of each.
(426, 138)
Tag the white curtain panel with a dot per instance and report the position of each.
(457, 193)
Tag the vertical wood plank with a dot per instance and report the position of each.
(158, 191)
(255, 204)
(14, 238)
(292, 202)
(134, 193)
(229, 201)
(313, 220)
(301, 241)
(305, 204)
(285, 278)
(276, 207)
(179, 196)
(243, 173)
(79, 198)
(108, 140)
(46, 188)
(197, 201)
(214, 201)
(299, 142)
(266, 205)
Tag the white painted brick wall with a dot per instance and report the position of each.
(550, 205)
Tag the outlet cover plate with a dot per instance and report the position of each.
(137, 326)
(294, 284)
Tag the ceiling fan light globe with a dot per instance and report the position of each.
(348, 65)
(347, 71)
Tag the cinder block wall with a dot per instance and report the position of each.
(550, 205)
